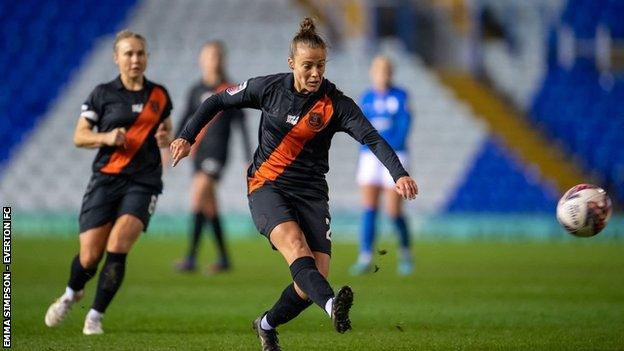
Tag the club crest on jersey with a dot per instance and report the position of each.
(292, 119)
(155, 106)
(237, 89)
(315, 121)
(137, 108)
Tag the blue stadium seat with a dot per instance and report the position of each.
(43, 41)
(574, 109)
(500, 183)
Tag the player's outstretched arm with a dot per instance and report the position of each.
(180, 148)
(406, 187)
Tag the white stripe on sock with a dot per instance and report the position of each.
(328, 306)
(264, 324)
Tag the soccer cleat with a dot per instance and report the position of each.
(185, 266)
(60, 308)
(92, 327)
(268, 338)
(340, 309)
(405, 268)
(361, 268)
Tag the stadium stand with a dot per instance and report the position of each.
(575, 106)
(38, 60)
(459, 165)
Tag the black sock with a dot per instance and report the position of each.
(311, 281)
(198, 225)
(110, 280)
(78, 275)
(218, 233)
(289, 306)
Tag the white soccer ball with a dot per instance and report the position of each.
(584, 210)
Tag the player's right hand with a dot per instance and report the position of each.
(180, 148)
(116, 137)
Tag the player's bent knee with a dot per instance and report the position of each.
(91, 257)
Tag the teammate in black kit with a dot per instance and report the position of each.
(210, 155)
(287, 191)
(132, 119)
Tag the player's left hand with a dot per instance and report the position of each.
(407, 188)
(163, 136)
(180, 148)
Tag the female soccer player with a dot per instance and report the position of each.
(386, 107)
(210, 155)
(131, 114)
(287, 191)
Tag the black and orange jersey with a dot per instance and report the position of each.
(111, 106)
(213, 141)
(295, 131)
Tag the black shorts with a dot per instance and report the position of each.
(108, 197)
(211, 166)
(271, 206)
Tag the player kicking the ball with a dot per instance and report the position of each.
(287, 190)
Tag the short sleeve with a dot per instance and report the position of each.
(168, 107)
(91, 109)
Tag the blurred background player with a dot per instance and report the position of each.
(287, 190)
(131, 115)
(210, 156)
(386, 107)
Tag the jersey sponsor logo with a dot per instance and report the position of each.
(292, 144)
(136, 134)
(137, 108)
(315, 122)
(292, 119)
(237, 89)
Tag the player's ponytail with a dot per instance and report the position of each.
(306, 35)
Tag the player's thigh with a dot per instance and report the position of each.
(133, 216)
(289, 240)
(370, 195)
(124, 234)
(100, 202)
(199, 189)
(394, 203)
(315, 222)
(92, 244)
(269, 207)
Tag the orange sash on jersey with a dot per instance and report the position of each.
(138, 132)
(287, 151)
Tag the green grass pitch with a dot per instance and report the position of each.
(463, 296)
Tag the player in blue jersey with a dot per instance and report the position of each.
(386, 107)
